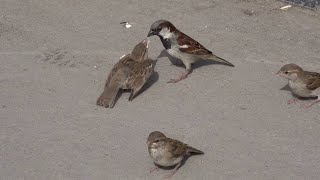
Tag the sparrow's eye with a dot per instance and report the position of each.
(286, 72)
(157, 140)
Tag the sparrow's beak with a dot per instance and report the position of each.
(147, 143)
(278, 73)
(146, 42)
(151, 33)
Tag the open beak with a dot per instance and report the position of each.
(146, 42)
(278, 73)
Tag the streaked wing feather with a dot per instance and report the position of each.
(140, 74)
(313, 80)
(194, 47)
(176, 147)
(121, 63)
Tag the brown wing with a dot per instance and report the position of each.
(194, 47)
(140, 74)
(176, 147)
(313, 80)
(124, 61)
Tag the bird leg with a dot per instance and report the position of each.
(311, 104)
(292, 101)
(173, 171)
(131, 95)
(181, 77)
(154, 169)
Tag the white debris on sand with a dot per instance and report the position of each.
(126, 25)
(286, 7)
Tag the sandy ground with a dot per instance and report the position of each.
(55, 56)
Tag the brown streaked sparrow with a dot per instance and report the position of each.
(168, 152)
(131, 72)
(182, 47)
(302, 83)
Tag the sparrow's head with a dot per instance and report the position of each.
(154, 139)
(140, 51)
(290, 71)
(161, 28)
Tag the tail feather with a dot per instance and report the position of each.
(108, 96)
(194, 150)
(219, 59)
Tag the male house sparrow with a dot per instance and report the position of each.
(182, 47)
(168, 152)
(131, 72)
(302, 83)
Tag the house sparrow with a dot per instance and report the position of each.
(131, 72)
(182, 47)
(302, 83)
(168, 152)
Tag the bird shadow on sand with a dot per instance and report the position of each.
(179, 63)
(174, 61)
(154, 77)
(285, 88)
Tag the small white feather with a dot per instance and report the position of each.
(184, 46)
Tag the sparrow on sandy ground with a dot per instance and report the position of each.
(182, 47)
(303, 84)
(168, 152)
(131, 72)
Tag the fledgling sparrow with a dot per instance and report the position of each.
(131, 72)
(182, 47)
(168, 152)
(302, 83)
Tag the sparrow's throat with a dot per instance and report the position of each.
(166, 42)
(166, 33)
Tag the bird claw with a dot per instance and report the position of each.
(292, 101)
(174, 80)
(306, 105)
(168, 176)
(309, 104)
(181, 77)
(154, 169)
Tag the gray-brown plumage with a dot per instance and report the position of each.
(168, 152)
(183, 47)
(302, 83)
(131, 72)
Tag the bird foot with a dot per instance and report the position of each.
(173, 172)
(154, 169)
(310, 104)
(176, 80)
(169, 175)
(292, 101)
(181, 77)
